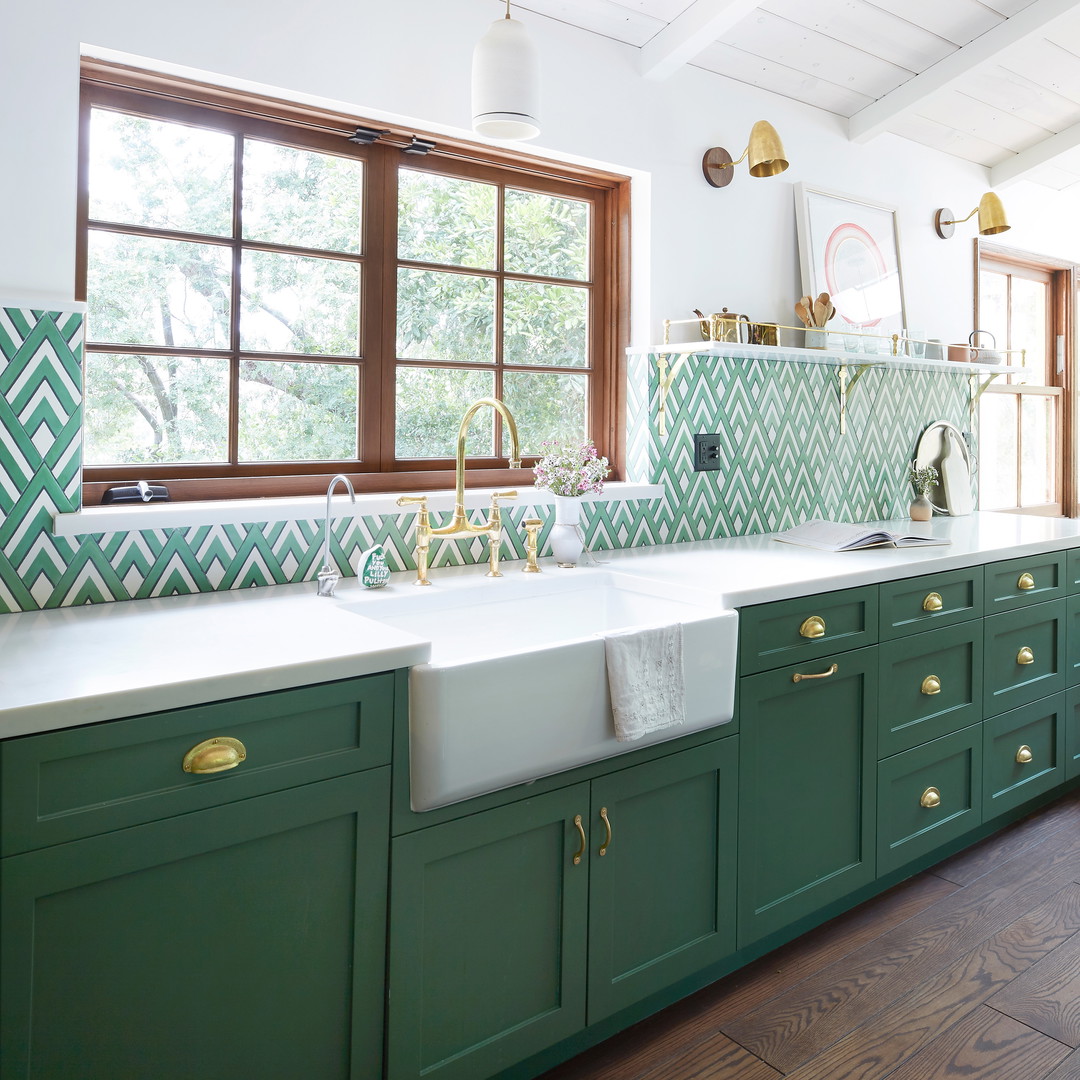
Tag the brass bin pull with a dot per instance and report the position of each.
(797, 677)
(814, 627)
(932, 602)
(930, 685)
(930, 798)
(214, 755)
(581, 836)
(1025, 656)
(607, 825)
(1025, 581)
(1024, 755)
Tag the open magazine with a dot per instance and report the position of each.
(837, 536)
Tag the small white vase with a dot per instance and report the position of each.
(567, 540)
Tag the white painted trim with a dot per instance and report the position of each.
(37, 303)
(690, 34)
(129, 517)
(1014, 168)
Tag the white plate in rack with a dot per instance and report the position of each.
(930, 451)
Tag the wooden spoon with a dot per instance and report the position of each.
(821, 309)
(802, 309)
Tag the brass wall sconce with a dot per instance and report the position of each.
(991, 213)
(764, 150)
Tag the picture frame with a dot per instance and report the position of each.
(850, 248)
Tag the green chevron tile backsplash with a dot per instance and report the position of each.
(784, 462)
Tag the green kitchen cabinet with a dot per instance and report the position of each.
(1024, 652)
(245, 940)
(1019, 583)
(1072, 640)
(913, 605)
(1072, 733)
(1023, 753)
(514, 928)
(807, 779)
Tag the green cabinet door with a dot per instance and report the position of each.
(1072, 733)
(1024, 654)
(1023, 753)
(807, 778)
(661, 873)
(488, 937)
(245, 940)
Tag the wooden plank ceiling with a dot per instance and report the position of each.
(995, 82)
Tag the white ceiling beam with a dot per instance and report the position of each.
(1035, 19)
(690, 34)
(1041, 153)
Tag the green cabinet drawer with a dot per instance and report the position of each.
(928, 796)
(1024, 656)
(1072, 570)
(931, 684)
(81, 781)
(791, 631)
(1072, 640)
(1018, 583)
(1072, 733)
(917, 604)
(1023, 754)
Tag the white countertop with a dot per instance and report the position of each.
(74, 666)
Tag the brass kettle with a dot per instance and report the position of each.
(724, 325)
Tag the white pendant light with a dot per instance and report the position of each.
(506, 82)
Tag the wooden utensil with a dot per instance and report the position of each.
(821, 309)
(802, 309)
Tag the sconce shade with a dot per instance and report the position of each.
(506, 83)
(992, 217)
(765, 151)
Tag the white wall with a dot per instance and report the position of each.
(694, 246)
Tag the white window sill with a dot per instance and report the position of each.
(128, 517)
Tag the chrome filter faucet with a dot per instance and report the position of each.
(329, 577)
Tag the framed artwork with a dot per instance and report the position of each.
(850, 248)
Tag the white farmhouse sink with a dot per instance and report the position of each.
(516, 687)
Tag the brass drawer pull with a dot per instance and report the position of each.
(214, 755)
(930, 798)
(1025, 656)
(581, 836)
(1025, 581)
(1024, 755)
(797, 677)
(607, 825)
(930, 685)
(932, 602)
(814, 627)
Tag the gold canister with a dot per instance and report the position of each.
(763, 333)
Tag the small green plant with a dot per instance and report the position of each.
(922, 480)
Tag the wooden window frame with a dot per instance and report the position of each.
(376, 469)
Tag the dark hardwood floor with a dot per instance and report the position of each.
(969, 971)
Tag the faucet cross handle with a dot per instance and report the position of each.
(423, 535)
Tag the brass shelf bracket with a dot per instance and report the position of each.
(978, 388)
(846, 387)
(666, 372)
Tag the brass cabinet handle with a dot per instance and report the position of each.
(1024, 755)
(1025, 656)
(932, 602)
(214, 755)
(1025, 581)
(813, 627)
(797, 677)
(581, 836)
(930, 798)
(607, 825)
(930, 685)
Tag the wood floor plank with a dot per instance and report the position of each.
(874, 1049)
(717, 1058)
(1069, 1069)
(1047, 996)
(822, 1009)
(987, 1046)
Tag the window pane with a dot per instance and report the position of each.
(545, 324)
(994, 306)
(430, 405)
(546, 406)
(445, 220)
(445, 316)
(997, 451)
(1029, 328)
(296, 303)
(167, 409)
(301, 197)
(144, 291)
(298, 412)
(1038, 483)
(160, 174)
(546, 235)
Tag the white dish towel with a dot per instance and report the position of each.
(645, 680)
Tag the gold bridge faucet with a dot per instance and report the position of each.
(459, 525)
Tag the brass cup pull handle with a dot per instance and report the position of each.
(930, 798)
(607, 825)
(1024, 755)
(930, 685)
(1025, 656)
(214, 755)
(814, 627)
(798, 677)
(932, 602)
(581, 838)
(1025, 581)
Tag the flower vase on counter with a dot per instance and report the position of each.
(569, 472)
(567, 539)
(922, 480)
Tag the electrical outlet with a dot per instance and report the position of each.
(707, 453)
